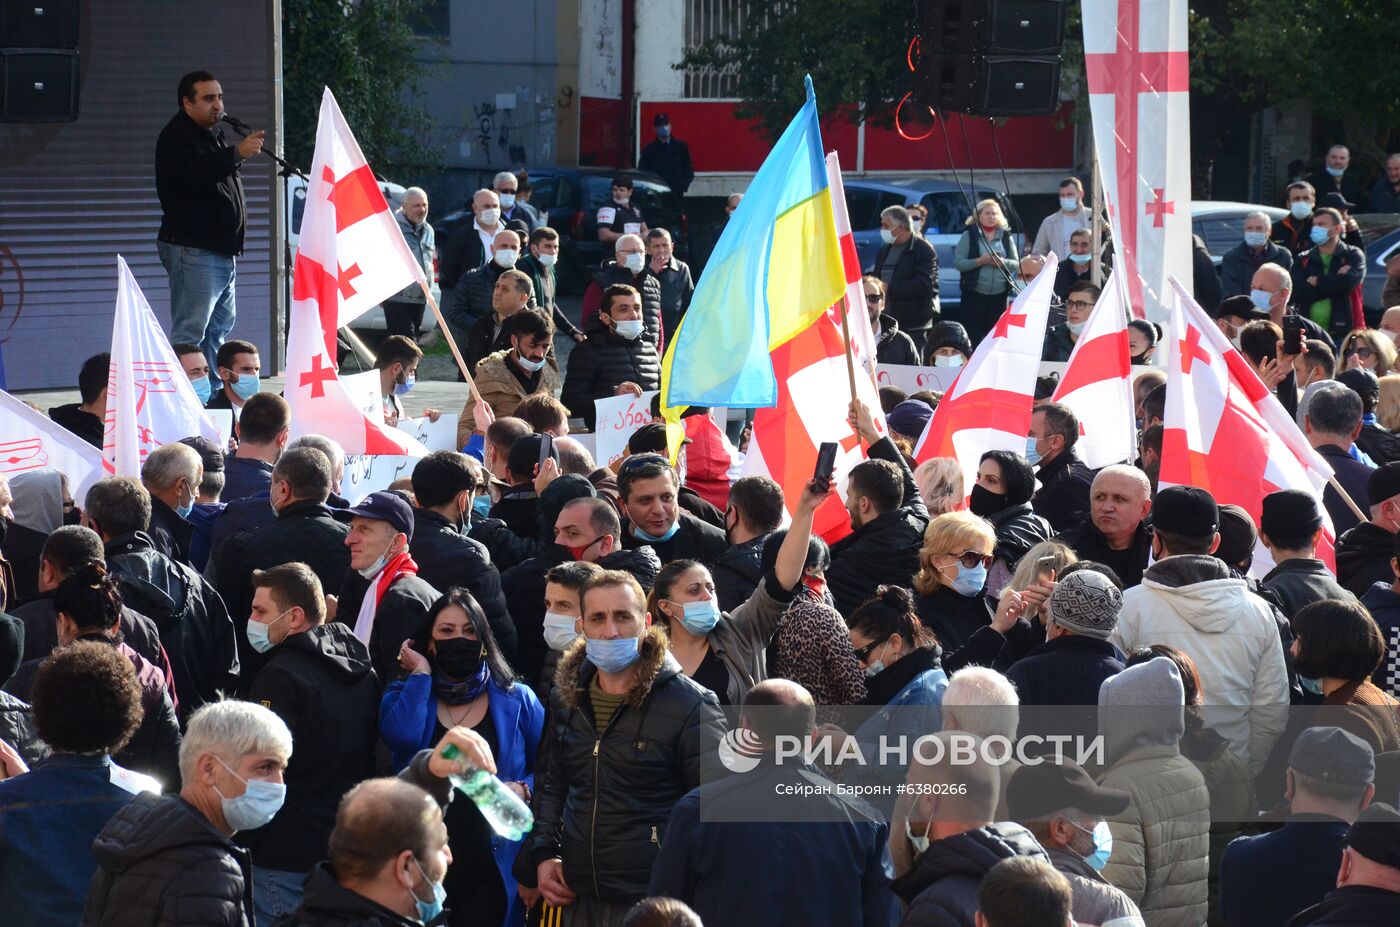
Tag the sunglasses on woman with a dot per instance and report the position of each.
(970, 559)
(1363, 353)
(863, 653)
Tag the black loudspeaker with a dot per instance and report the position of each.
(997, 85)
(39, 23)
(992, 27)
(990, 57)
(38, 85)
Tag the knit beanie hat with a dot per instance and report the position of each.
(1087, 603)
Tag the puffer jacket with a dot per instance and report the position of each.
(883, 551)
(1063, 497)
(1191, 603)
(894, 346)
(471, 299)
(1161, 842)
(610, 273)
(941, 888)
(1363, 558)
(326, 903)
(606, 800)
(194, 626)
(161, 863)
(1059, 344)
(737, 572)
(598, 365)
(1018, 529)
(1094, 901)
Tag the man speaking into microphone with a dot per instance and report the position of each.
(203, 214)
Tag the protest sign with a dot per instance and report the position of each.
(618, 417)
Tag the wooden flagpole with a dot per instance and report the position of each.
(1346, 497)
(846, 335)
(451, 342)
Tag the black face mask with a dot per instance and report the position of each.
(73, 517)
(458, 658)
(1138, 359)
(983, 502)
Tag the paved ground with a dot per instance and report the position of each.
(437, 386)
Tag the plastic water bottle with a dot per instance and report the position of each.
(503, 810)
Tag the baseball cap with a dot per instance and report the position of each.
(1333, 755)
(1384, 483)
(1335, 200)
(1240, 307)
(1290, 513)
(210, 454)
(661, 119)
(1037, 792)
(388, 507)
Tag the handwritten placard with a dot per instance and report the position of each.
(435, 436)
(618, 418)
(367, 473)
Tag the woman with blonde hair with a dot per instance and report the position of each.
(1388, 407)
(986, 257)
(1368, 348)
(940, 482)
(1046, 560)
(952, 600)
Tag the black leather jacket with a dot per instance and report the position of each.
(193, 623)
(605, 800)
(1018, 529)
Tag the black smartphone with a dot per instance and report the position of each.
(1292, 334)
(546, 446)
(826, 464)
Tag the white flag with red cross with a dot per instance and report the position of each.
(1224, 430)
(988, 407)
(30, 440)
(150, 400)
(862, 334)
(351, 256)
(1097, 383)
(1136, 65)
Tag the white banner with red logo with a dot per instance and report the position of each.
(150, 400)
(29, 440)
(1135, 62)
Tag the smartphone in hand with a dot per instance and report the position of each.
(826, 465)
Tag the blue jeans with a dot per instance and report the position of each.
(201, 297)
(275, 894)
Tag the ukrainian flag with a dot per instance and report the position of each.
(775, 270)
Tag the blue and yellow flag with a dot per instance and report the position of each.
(775, 270)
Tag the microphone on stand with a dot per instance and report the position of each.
(237, 123)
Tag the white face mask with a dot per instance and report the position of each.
(630, 329)
(489, 217)
(920, 844)
(955, 360)
(547, 260)
(887, 236)
(635, 262)
(507, 200)
(559, 631)
(505, 257)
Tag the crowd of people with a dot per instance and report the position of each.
(231, 696)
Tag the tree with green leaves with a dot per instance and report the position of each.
(364, 51)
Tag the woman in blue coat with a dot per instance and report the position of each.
(458, 678)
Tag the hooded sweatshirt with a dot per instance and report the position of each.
(1192, 603)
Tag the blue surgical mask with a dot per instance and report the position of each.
(1312, 685)
(641, 535)
(1081, 258)
(876, 667)
(1301, 209)
(1318, 234)
(700, 617)
(203, 389)
(1334, 171)
(1069, 203)
(507, 200)
(612, 656)
(259, 803)
(406, 387)
(1032, 455)
(1261, 299)
(887, 236)
(481, 505)
(184, 510)
(258, 632)
(1103, 845)
(427, 910)
(1256, 239)
(559, 631)
(970, 580)
(245, 387)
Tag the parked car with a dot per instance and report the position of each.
(948, 209)
(568, 199)
(1220, 223)
(1380, 231)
